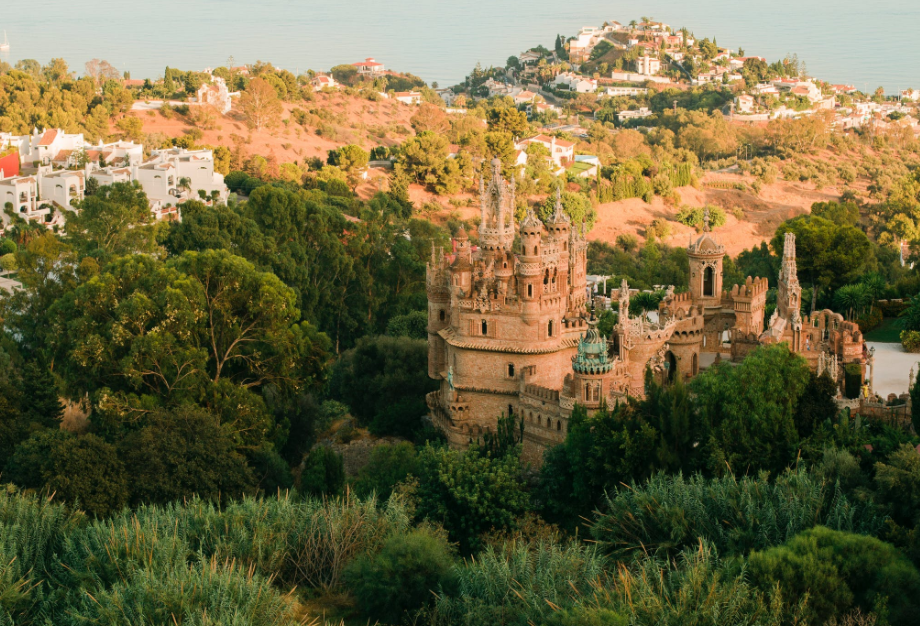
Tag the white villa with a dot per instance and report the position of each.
(369, 67)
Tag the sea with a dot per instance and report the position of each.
(866, 44)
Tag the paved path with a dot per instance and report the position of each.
(892, 367)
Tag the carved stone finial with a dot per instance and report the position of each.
(706, 220)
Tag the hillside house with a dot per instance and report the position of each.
(62, 188)
(524, 97)
(323, 81)
(369, 67)
(744, 104)
(647, 65)
(561, 152)
(641, 113)
(408, 97)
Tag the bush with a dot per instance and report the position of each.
(852, 380)
(694, 216)
(387, 466)
(736, 515)
(840, 571)
(403, 577)
(910, 339)
(323, 472)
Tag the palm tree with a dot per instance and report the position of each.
(876, 284)
(645, 301)
(185, 183)
(853, 299)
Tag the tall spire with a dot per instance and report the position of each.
(706, 220)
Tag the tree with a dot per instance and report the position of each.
(352, 160)
(749, 410)
(182, 453)
(828, 254)
(403, 577)
(113, 221)
(469, 493)
(429, 117)
(101, 71)
(132, 128)
(384, 380)
(839, 572)
(83, 471)
(323, 472)
(575, 204)
(508, 120)
(260, 105)
(387, 466)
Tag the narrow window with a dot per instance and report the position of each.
(558, 425)
(530, 291)
(510, 370)
(535, 252)
(441, 315)
(485, 327)
(510, 410)
(709, 283)
(550, 328)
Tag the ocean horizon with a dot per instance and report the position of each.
(864, 44)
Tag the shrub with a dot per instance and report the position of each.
(910, 339)
(387, 466)
(323, 472)
(403, 577)
(840, 571)
(736, 515)
(694, 216)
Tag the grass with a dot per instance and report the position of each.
(888, 332)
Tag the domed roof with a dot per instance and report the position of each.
(461, 235)
(706, 243)
(592, 353)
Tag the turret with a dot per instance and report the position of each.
(705, 256)
(496, 229)
(530, 285)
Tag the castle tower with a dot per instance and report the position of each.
(591, 365)
(496, 230)
(437, 282)
(705, 256)
(789, 291)
(530, 283)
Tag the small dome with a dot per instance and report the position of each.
(461, 235)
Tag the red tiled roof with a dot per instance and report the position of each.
(133, 82)
(48, 137)
(562, 143)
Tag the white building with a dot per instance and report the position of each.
(62, 188)
(322, 81)
(43, 147)
(615, 92)
(648, 66)
(21, 193)
(408, 97)
(561, 152)
(369, 67)
(744, 104)
(625, 116)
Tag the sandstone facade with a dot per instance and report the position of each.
(509, 330)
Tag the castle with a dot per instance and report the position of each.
(510, 331)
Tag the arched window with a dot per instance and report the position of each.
(587, 392)
(539, 420)
(709, 282)
(546, 277)
(510, 410)
(694, 365)
(441, 315)
(536, 251)
(510, 370)
(485, 327)
(549, 328)
(558, 425)
(530, 291)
